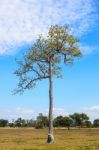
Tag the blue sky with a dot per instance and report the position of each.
(21, 21)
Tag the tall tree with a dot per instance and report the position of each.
(43, 61)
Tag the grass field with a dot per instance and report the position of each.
(35, 139)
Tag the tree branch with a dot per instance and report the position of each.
(35, 79)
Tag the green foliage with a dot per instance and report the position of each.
(31, 123)
(20, 122)
(41, 121)
(3, 122)
(11, 124)
(88, 124)
(96, 123)
(59, 46)
(58, 121)
(61, 121)
(79, 119)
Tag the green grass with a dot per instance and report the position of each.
(35, 139)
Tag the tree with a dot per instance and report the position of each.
(20, 122)
(61, 121)
(3, 122)
(68, 122)
(43, 61)
(58, 121)
(88, 124)
(96, 123)
(84, 119)
(79, 119)
(31, 123)
(41, 121)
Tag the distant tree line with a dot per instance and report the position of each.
(75, 120)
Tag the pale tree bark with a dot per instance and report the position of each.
(50, 130)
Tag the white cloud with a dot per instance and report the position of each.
(24, 111)
(92, 111)
(56, 112)
(92, 108)
(22, 20)
(59, 111)
(28, 113)
(88, 49)
(15, 113)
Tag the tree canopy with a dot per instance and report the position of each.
(58, 46)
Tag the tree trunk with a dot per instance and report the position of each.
(50, 130)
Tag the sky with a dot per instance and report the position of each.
(21, 21)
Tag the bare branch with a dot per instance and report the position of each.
(36, 79)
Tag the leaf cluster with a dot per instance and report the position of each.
(59, 46)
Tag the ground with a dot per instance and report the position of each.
(35, 139)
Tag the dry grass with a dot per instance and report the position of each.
(31, 139)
